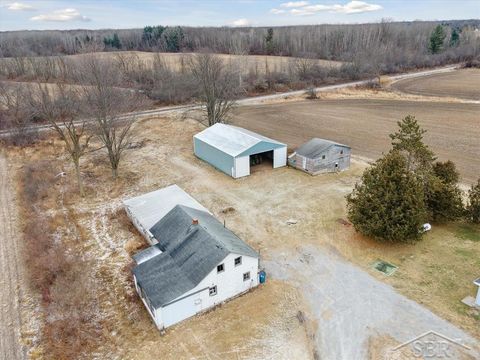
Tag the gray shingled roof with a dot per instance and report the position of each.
(316, 147)
(189, 253)
(147, 254)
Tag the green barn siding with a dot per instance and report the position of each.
(260, 147)
(214, 157)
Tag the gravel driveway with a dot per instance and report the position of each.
(350, 305)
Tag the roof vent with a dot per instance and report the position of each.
(194, 221)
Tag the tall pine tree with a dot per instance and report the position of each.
(408, 140)
(388, 204)
(436, 39)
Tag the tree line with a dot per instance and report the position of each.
(389, 45)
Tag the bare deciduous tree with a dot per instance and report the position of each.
(218, 86)
(16, 114)
(61, 107)
(108, 105)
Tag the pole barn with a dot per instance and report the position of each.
(234, 150)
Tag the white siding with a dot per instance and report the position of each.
(280, 157)
(242, 167)
(229, 284)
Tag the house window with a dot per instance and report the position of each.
(213, 290)
(220, 268)
(238, 261)
(246, 276)
(341, 152)
(323, 157)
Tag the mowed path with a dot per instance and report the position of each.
(453, 128)
(10, 317)
(463, 84)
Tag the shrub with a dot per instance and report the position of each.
(473, 207)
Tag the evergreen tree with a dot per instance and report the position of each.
(116, 41)
(473, 208)
(152, 34)
(408, 140)
(446, 171)
(454, 38)
(173, 38)
(443, 200)
(269, 44)
(436, 39)
(113, 42)
(388, 204)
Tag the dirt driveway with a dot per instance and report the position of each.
(10, 318)
(351, 307)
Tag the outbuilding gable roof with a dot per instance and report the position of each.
(189, 253)
(149, 208)
(232, 140)
(316, 147)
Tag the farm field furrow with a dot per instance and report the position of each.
(463, 84)
(453, 128)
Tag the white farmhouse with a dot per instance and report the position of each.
(196, 264)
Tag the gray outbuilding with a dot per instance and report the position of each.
(320, 156)
(233, 150)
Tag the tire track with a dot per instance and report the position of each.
(10, 316)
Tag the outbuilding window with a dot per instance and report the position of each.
(246, 276)
(323, 157)
(220, 268)
(341, 152)
(213, 290)
(238, 261)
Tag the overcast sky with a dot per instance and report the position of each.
(97, 14)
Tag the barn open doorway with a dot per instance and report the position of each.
(261, 161)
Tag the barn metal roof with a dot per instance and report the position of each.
(189, 253)
(231, 139)
(316, 147)
(149, 208)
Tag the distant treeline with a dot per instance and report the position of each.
(393, 44)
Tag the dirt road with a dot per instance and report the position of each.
(363, 124)
(10, 317)
(256, 99)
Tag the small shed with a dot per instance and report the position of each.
(147, 209)
(319, 156)
(233, 150)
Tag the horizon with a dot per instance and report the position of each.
(31, 15)
(250, 26)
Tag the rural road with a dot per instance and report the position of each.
(350, 306)
(10, 316)
(258, 99)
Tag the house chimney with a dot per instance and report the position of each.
(194, 221)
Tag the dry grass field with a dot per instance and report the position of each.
(264, 323)
(257, 64)
(464, 84)
(363, 124)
